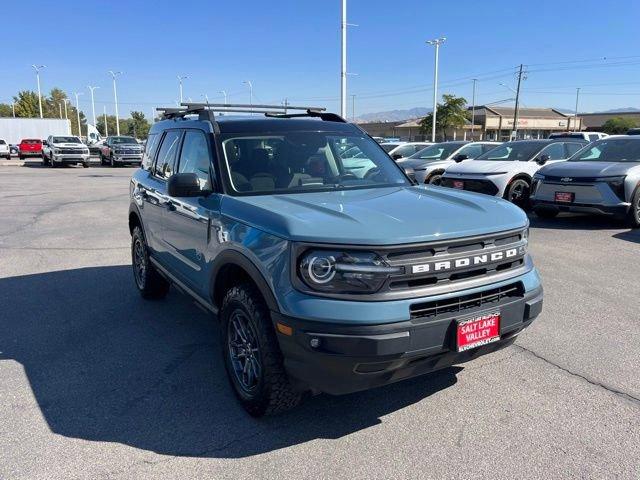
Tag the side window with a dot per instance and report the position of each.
(555, 151)
(194, 157)
(167, 155)
(486, 148)
(573, 148)
(150, 149)
(472, 151)
(592, 137)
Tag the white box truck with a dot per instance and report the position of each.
(12, 130)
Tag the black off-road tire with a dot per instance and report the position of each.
(151, 285)
(633, 217)
(273, 392)
(85, 164)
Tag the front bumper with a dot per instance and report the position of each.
(350, 358)
(478, 185)
(68, 158)
(595, 198)
(127, 159)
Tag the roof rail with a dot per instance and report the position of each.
(207, 111)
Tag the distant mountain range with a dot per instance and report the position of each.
(417, 112)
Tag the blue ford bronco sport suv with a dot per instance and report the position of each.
(328, 269)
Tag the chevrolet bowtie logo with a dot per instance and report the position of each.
(566, 179)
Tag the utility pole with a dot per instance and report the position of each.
(343, 70)
(106, 127)
(575, 117)
(180, 78)
(473, 108)
(437, 42)
(37, 68)
(248, 82)
(13, 108)
(115, 98)
(353, 108)
(93, 105)
(223, 92)
(514, 131)
(286, 104)
(78, 113)
(66, 114)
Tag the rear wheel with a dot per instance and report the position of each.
(252, 356)
(435, 179)
(633, 217)
(149, 282)
(518, 192)
(85, 164)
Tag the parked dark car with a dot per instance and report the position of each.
(121, 150)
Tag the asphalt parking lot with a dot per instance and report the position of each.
(98, 383)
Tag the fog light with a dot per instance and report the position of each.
(314, 342)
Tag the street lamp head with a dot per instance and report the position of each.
(437, 41)
(114, 74)
(38, 67)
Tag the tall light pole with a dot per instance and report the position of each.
(223, 92)
(93, 105)
(473, 108)
(436, 42)
(37, 68)
(575, 116)
(13, 108)
(115, 98)
(77, 94)
(60, 108)
(66, 114)
(343, 70)
(248, 82)
(206, 98)
(353, 108)
(180, 79)
(106, 127)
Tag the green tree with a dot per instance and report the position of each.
(5, 110)
(618, 125)
(54, 103)
(26, 103)
(138, 126)
(452, 113)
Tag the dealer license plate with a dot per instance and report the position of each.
(459, 184)
(564, 197)
(478, 331)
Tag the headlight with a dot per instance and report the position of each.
(344, 272)
(616, 184)
(86, 151)
(56, 151)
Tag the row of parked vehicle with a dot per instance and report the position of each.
(566, 172)
(60, 150)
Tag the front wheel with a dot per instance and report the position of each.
(435, 179)
(252, 356)
(518, 193)
(149, 282)
(111, 162)
(633, 217)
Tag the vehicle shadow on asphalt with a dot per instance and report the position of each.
(107, 366)
(571, 221)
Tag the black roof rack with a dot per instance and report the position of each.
(207, 111)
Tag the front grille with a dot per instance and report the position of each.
(574, 180)
(71, 151)
(467, 303)
(409, 257)
(472, 185)
(128, 151)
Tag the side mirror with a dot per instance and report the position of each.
(396, 156)
(460, 157)
(44, 143)
(184, 185)
(542, 159)
(411, 173)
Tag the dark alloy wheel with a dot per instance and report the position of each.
(149, 282)
(252, 355)
(518, 193)
(435, 179)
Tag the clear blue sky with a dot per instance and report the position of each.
(291, 49)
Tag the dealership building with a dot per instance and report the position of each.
(490, 123)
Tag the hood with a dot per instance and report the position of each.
(588, 169)
(484, 166)
(377, 216)
(421, 164)
(69, 145)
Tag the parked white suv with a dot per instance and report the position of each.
(430, 163)
(507, 171)
(4, 150)
(64, 150)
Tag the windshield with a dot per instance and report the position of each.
(120, 140)
(307, 161)
(437, 151)
(387, 147)
(610, 150)
(66, 140)
(513, 151)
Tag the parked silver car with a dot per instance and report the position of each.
(603, 178)
(430, 163)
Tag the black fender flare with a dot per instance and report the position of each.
(238, 259)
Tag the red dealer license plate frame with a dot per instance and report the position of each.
(477, 331)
